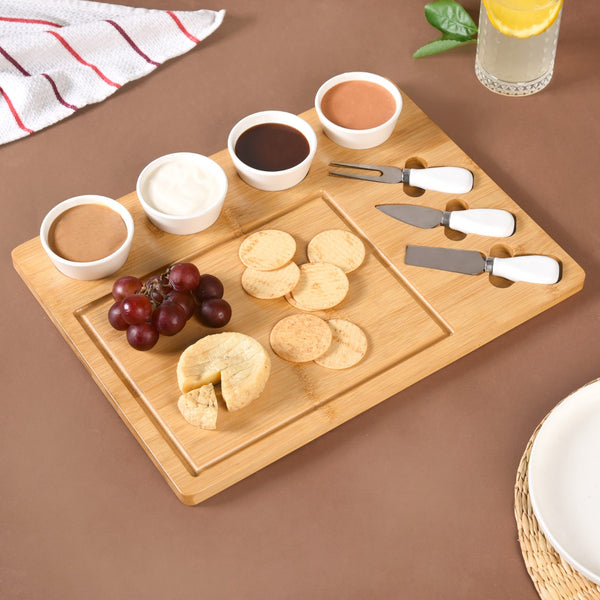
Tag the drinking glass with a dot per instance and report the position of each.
(516, 45)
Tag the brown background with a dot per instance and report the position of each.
(412, 499)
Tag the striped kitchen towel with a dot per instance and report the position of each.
(57, 57)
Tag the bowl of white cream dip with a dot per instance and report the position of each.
(183, 192)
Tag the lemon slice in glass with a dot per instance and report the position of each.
(522, 18)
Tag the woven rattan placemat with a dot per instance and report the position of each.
(553, 578)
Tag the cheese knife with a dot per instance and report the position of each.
(452, 180)
(492, 222)
(532, 268)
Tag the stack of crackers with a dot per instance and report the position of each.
(319, 284)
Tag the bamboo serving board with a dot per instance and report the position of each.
(416, 320)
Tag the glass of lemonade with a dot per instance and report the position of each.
(516, 45)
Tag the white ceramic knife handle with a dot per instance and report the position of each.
(532, 268)
(453, 180)
(483, 221)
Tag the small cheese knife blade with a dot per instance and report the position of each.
(530, 268)
(492, 222)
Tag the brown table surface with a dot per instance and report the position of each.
(412, 499)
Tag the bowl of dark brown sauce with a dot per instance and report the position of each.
(272, 150)
(87, 237)
(358, 110)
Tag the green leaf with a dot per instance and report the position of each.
(440, 46)
(451, 19)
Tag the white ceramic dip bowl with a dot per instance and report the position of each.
(272, 180)
(96, 269)
(183, 192)
(358, 139)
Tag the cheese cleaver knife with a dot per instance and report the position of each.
(492, 222)
(530, 268)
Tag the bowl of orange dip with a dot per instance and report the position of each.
(87, 237)
(358, 110)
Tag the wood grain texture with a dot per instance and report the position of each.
(416, 320)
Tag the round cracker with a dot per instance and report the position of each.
(267, 249)
(321, 286)
(301, 337)
(338, 247)
(267, 285)
(348, 345)
(291, 301)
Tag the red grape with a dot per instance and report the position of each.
(185, 300)
(126, 286)
(184, 276)
(209, 287)
(142, 336)
(168, 318)
(115, 317)
(214, 312)
(136, 309)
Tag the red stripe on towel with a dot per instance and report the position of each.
(14, 112)
(132, 43)
(31, 21)
(22, 70)
(72, 51)
(57, 93)
(183, 29)
(11, 60)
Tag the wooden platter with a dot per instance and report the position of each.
(416, 320)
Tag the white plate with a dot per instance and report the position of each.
(564, 479)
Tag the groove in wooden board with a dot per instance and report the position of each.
(151, 378)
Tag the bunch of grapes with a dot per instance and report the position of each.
(164, 304)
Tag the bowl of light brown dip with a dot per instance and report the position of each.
(87, 237)
(358, 110)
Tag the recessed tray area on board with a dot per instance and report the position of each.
(293, 390)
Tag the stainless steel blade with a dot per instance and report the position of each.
(419, 216)
(469, 262)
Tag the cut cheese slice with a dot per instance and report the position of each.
(199, 407)
(237, 361)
